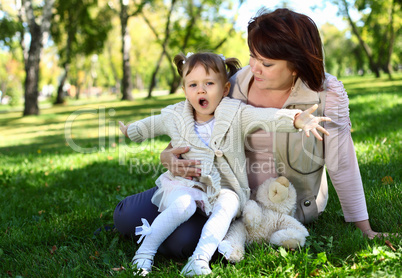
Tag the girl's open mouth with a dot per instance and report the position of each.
(203, 102)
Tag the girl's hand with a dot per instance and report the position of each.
(123, 128)
(308, 122)
(171, 159)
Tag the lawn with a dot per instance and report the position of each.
(62, 174)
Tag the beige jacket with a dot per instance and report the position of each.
(300, 157)
(223, 161)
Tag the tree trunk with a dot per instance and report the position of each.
(164, 44)
(60, 92)
(391, 41)
(153, 79)
(175, 84)
(77, 95)
(37, 32)
(126, 45)
(32, 72)
(367, 50)
(190, 24)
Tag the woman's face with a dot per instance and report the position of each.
(271, 74)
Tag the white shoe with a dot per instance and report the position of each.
(196, 265)
(142, 262)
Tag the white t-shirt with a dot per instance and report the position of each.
(204, 130)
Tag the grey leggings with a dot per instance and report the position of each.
(181, 243)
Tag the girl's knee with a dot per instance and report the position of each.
(185, 204)
(228, 201)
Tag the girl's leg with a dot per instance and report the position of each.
(128, 213)
(215, 229)
(181, 243)
(166, 222)
(179, 211)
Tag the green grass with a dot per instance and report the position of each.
(53, 197)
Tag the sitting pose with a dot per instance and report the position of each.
(215, 127)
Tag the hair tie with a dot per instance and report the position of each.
(187, 56)
(223, 57)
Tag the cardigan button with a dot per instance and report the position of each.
(307, 203)
(219, 153)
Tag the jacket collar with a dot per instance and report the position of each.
(224, 115)
(187, 128)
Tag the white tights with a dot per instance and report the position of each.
(217, 225)
(181, 209)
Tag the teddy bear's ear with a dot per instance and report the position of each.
(283, 180)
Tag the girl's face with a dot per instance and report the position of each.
(271, 74)
(204, 91)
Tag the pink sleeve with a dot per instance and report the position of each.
(340, 156)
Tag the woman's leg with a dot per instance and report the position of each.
(128, 213)
(181, 243)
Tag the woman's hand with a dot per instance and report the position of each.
(365, 227)
(171, 159)
(309, 122)
(124, 128)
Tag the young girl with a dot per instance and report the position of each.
(215, 127)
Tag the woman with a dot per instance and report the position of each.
(286, 71)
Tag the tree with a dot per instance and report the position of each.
(79, 27)
(39, 27)
(338, 49)
(376, 30)
(195, 27)
(206, 29)
(125, 14)
(11, 71)
(163, 42)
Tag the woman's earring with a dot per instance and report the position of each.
(293, 84)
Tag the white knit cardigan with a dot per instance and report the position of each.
(223, 162)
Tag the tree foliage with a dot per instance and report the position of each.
(377, 29)
(78, 28)
(128, 46)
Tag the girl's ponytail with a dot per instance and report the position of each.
(233, 65)
(179, 60)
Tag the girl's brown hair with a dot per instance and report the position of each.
(226, 67)
(287, 35)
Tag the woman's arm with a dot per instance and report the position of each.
(171, 160)
(341, 160)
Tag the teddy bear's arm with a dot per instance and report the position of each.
(290, 234)
(252, 214)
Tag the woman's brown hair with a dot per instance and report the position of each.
(224, 66)
(287, 35)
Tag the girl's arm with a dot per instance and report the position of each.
(123, 128)
(146, 128)
(282, 120)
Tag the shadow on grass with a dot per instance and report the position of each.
(76, 200)
(118, 110)
(375, 123)
(374, 90)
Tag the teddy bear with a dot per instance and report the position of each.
(267, 219)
